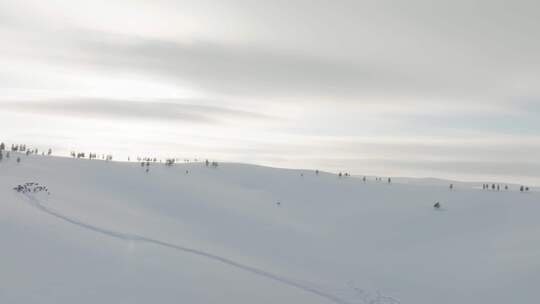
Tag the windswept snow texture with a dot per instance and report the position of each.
(111, 233)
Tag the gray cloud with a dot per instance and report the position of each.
(490, 150)
(459, 51)
(247, 70)
(173, 110)
(233, 69)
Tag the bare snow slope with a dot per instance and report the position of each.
(111, 233)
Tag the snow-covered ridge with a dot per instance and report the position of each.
(110, 232)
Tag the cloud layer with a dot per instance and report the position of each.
(174, 110)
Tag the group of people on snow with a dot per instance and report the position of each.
(31, 188)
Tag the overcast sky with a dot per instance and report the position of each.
(446, 89)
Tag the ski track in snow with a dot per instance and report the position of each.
(139, 238)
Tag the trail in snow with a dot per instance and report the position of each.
(139, 238)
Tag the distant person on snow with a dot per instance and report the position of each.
(437, 205)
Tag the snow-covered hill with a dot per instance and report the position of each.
(111, 233)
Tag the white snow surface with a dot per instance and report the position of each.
(111, 233)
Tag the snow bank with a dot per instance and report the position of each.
(111, 233)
